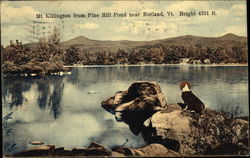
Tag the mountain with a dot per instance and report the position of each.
(233, 37)
(190, 49)
(226, 41)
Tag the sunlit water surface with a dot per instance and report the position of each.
(66, 110)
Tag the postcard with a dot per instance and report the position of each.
(124, 78)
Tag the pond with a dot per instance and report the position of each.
(66, 110)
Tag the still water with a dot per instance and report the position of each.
(66, 110)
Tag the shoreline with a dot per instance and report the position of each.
(138, 65)
(68, 72)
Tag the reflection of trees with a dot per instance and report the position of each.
(73, 78)
(46, 98)
(44, 90)
(167, 74)
(56, 97)
(15, 87)
(50, 91)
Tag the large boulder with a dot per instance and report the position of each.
(152, 150)
(190, 133)
(137, 104)
(144, 108)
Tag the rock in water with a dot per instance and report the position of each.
(36, 142)
(152, 150)
(144, 108)
(137, 104)
(46, 150)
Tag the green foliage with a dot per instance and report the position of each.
(6, 129)
(8, 144)
(44, 59)
(48, 56)
(71, 56)
(172, 54)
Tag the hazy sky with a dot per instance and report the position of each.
(230, 18)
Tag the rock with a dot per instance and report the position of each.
(46, 150)
(91, 92)
(50, 150)
(98, 150)
(143, 107)
(184, 61)
(60, 151)
(152, 150)
(93, 150)
(195, 61)
(207, 61)
(36, 142)
(190, 133)
(137, 104)
(117, 154)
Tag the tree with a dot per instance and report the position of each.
(239, 55)
(71, 56)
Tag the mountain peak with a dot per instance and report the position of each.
(80, 38)
(229, 36)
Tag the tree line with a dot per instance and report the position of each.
(157, 55)
(48, 56)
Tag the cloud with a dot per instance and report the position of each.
(78, 6)
(121, 6)
(229, 16)
(16, 15)
(12, 33)
(238, 9)
(88, 26)
(188, 6)
(238, 30)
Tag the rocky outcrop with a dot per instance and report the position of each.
(183, 131)
(98, 150)
(190, 133)
(50, 150)
(153, 150)
(137, 104)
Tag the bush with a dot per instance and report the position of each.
(44, 59)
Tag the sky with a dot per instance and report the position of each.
(230, 18)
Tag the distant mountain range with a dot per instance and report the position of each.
(229, 48)
(48, 57)
(227, 41)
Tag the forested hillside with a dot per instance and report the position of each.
(50, 55)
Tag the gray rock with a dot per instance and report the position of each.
(207, 61)
(184, 61)
(137, 104)
(152, 150)
(190, 133)
(36, 142)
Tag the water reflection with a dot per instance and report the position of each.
(15, 87)
(60, 110)
(49, 89)
(73, 78)
(47, 98)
